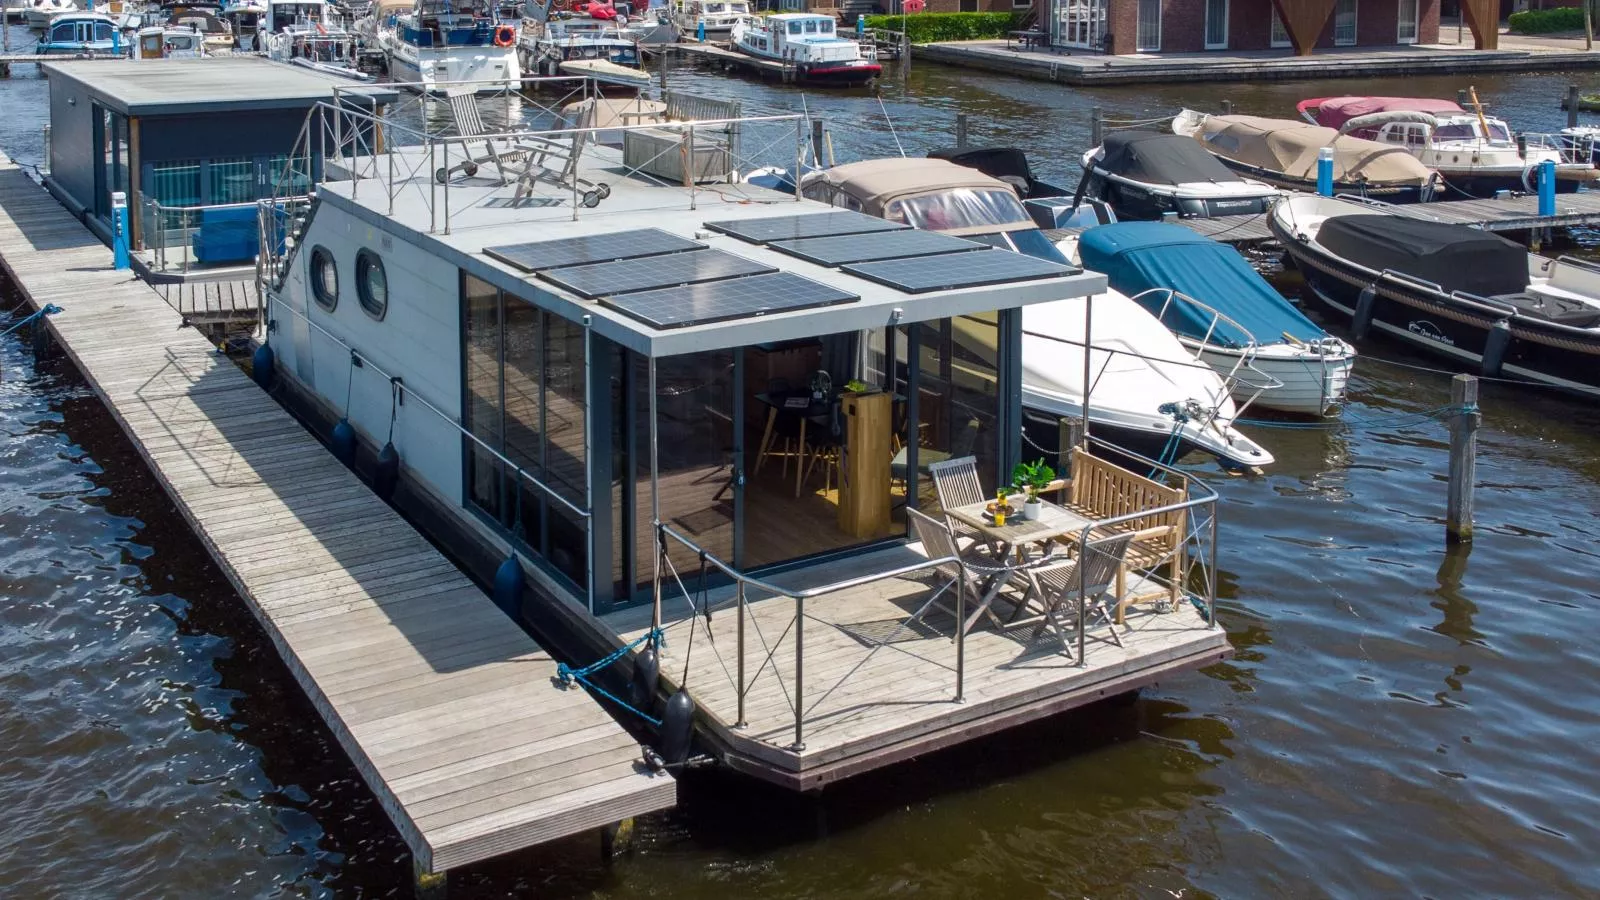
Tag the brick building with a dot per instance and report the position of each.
(1181, 26)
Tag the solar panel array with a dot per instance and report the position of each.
(836, 250)
(722, 301)
(620, 277)
(789, 228)
(922, 274)
(591, 248)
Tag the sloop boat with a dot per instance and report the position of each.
(1284, 152)
(1454, 291)
(1225, 313)
(1147, 175)
(1475, 153)
(810, 43)
(1146, 392)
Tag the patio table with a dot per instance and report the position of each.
(1014, 538)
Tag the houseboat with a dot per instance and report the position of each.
(80, 32)
(806, 41)
(1147, 393)
(659, 423)
(440, 45)
(1475, 153)
(1283, 153)
(708, 20)
(1453, 291)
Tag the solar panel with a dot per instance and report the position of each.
(623, 276)
(722, 301)
(591, 248)
(787, 228)
(922, 274)
(836, 250)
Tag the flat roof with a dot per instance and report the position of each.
(482, 214)
(206, 85)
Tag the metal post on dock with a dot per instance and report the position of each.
(961, 639)
(1096, 126)
(961, 131)
(800, 673)
(739, 588)
(1463, 458)
(1572, 106)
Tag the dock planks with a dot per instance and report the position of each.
(213, 302)
(445, 706)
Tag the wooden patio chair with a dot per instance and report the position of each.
(463, 102)
(937, 541)
(1056, 586)
(956, 483)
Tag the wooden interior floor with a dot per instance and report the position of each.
(870, 683)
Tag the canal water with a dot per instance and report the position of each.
(1398, 720)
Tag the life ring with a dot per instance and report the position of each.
(504, 36)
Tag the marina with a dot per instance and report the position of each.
(534, 389)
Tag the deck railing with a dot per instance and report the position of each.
(1195, 551)
(169, 233)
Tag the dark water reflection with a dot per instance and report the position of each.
(1397, 719)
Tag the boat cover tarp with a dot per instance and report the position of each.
(1161, 159)
(1333, 112)
(1455, 257)
(1142, 256)
(996, 162)
(1290, 147)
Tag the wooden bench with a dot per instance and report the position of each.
(1103, 490)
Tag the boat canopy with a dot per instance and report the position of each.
(1161, 159)
(934, 194)
(1144, 256)
(1290, 147)
(1455, 257)
(1333, 112)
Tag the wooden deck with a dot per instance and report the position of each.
(1511, 214)
(869, 704)
(445, 706)
(213, 302)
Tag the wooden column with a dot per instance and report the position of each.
(1483, 17)
(864, 474)
(1304, 21)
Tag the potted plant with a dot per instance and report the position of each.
(857, 386)
(1030, 479)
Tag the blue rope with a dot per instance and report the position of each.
(567, 675)
(50, 309)
(1169, 451)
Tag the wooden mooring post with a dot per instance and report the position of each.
(1464, 424)
(961, 131)
(1097, 126)
(1573, 101)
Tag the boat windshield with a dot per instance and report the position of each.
(1468, 131)
(285, 15)
(958, 208)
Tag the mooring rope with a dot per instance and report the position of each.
(568, 676)
(49, 309)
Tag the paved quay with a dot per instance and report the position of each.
(445, 706)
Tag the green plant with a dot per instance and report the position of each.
(1544, 21)
(857, 386)
(928, 28)
(1031, 478)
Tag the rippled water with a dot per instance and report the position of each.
(1398, 720)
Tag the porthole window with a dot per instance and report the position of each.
(324, 278)
(372, 285)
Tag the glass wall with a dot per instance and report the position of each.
(523, 379)
(958, 395)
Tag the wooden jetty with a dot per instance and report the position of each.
(445, 706)
(219, 304)
(730, 59)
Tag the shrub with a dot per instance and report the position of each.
(1544, 21)
(928, 28)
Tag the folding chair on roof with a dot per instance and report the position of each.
(463, 102)
(556, 162)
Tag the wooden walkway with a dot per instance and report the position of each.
(444, 705)
(1511, 214)
(213, 302)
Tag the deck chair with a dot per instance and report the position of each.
(1056, 586)
(956, 483)
(556, 162)
(463, 102)
(937, 541)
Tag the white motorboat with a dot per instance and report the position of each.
(1223, 312)
(39, 12)
(709, 20)
(808, 42)
(546, 45)
(606, 73)
(439, 46)
(1147, 393)
(1147, 175)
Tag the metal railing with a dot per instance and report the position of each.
(1244, 353)
(1195, 552)
(168, 233)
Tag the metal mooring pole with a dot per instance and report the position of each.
(1463, 457)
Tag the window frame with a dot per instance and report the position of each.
(319, 290)
(365, 260)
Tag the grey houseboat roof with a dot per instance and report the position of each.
(483, 221)
(222, 84)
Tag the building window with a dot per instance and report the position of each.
(372, 285)
(1344, 23)
(324, 278)
(1408, 22)
(1280, 35)
(524, 382)
(1149, 31)
(1021, 4)
(1216, 24)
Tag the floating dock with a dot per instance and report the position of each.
(216, 304)
(445, 706)
(721, 55)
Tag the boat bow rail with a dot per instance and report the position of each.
(1243, 371)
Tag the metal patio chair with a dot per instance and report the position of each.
(1056, 586)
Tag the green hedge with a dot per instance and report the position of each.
(1544, 21)
(928, 28)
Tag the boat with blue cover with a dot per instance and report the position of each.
(1222, 310)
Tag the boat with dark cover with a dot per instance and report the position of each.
(1452, 290)
(1144, 175)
